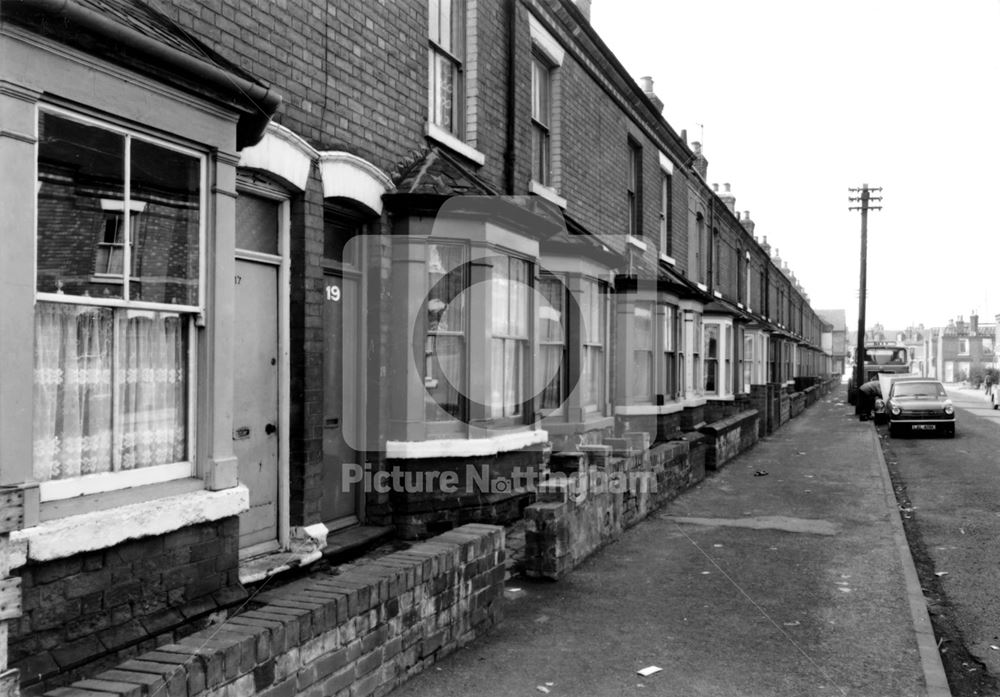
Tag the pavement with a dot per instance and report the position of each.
(785, 574)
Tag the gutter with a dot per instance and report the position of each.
(262, 101)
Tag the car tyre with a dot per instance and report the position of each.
(893, 431)
(950, 432)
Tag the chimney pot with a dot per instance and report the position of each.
(584, 7)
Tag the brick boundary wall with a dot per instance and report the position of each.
(360, 633)
(728, 437)
(562, 529)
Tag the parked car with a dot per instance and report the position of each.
(919, 404)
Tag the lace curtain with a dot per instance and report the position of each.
(110, 390)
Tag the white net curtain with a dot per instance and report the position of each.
(86, 420)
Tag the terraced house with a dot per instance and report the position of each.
(258, 256)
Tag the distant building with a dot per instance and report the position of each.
(964, 350)
(837, 348)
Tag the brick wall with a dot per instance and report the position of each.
(353, 634)
(612, 490)
(86, 612)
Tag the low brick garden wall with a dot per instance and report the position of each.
(611, 491)
(729, 437)
(354, 634)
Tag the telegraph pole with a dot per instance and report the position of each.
(864, 198)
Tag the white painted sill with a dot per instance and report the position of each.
(463, 447)
(438, 134)
(546, 192)
(636, 242)
(87, 532)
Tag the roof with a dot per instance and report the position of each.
(134, 34)
(838, 318)
(435, 172)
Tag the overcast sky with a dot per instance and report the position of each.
(798, 101)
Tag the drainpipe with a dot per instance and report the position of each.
(510, 159)
(263, 100)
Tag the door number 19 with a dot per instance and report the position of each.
(333, 293)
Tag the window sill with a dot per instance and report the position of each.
(87, 532)
(636, 242)
(443, 137)
(694, 402)
(648, 409)
(546, 192)
(668, 260)
(463, 447)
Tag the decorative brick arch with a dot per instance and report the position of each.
(283, 154)
(349, 176)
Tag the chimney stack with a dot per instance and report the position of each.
(584, 7)
(748, 224)
(647, 88)
(973, 323)
(700, 163)
(728, 198)
(765, 246)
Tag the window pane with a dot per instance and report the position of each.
(643, 326)
(446, 281)
(444, 377)
(552, 376)
(496, 378)
(519, 299)
(550, 312)
(81, 203)
(500, 287)
(110, 390)
(168, 184)
(72, 421)
(257, 223)
(151, 401)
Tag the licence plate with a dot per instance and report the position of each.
(924, 427)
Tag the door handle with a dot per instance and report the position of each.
(270, 429)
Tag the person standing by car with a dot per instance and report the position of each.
(867, 394)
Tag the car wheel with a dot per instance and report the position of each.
(950, 432)
(893, 431)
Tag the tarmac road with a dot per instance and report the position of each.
(954, 489)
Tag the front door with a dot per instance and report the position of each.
(255, 398)
(341, 407)
(258, 365)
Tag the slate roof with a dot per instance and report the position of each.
(436, 172)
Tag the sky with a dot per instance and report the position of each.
(796, 102)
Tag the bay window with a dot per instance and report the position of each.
(120, 219)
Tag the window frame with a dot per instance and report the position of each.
(600, 293)
(53, 491)
(633, 188)
(455, 58)
(524, 398)
(541, 117)
(666, 213)
(563, 341)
